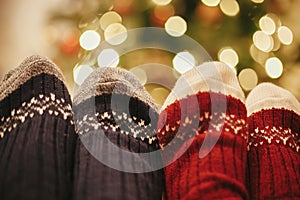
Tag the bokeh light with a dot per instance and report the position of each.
(267, 25)
(108, 18)
(285, 35)
(248, 79)
(274, 67)
(162, 13)
(183, 62)
(263, 41)
(176, 26)
(258, 55)
(230, 7)
(115, 34)
(257, 1)
(81, 72)
(162, 2)
(141, 74)
(228, 56)
(108, 58)
(89, 40)
(211, 2)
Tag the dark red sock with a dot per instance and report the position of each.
(221, 174)
(273, 156)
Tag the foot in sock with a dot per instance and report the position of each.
(206, 102)
(273, 156)
(112, 104)
(37, 136)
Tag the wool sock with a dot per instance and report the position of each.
(37, 136)
(114, 111)
(273, 156)
(205, 112)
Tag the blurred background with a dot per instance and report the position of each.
(260, 39)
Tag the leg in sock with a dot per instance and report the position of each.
(273, 156)
(210, 109)
(37, 136)
(112, 103)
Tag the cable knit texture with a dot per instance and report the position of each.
(37, 133)
(113, 103)
(209, 107)
(273, 146)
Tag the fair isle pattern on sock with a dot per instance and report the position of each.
(37, 135)
(126, 114)
(222, 173)
(273, 146)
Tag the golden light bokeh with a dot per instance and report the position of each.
(89, 40)
(257, 1)
(274, 67)
(161, 2)
(108, 58)
(176, 26)
(108, 18)
(267, 25)
(248, 79)
(183, 62)
(285, 35)
(263, 41)
(211, 3)
(230, 7)
(115, 34)
(228, 56)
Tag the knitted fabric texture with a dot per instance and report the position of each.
(37, 133)
(112, 103)
(273, 156)
(213, 111)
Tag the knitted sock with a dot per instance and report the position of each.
(37, 136)
(112, 104)
(273, 156)
(203, 103)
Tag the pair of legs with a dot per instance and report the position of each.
(48, 145)
(241, 149)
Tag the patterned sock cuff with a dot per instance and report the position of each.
(113, 103)
(207, 122)
(273, 144)
(37, 135)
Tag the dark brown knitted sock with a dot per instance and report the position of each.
(37, 135)
(112, 104)
(273, 146)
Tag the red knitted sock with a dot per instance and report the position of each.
(273, 156)
(213, 111)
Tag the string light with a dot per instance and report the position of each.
(263, 41)
(211, 3)
(285, 35)
(115, 34)
(176, 26)
(108, 58)
(274, 67)
(141, 74)
(183, 62)
(109, 18)
(81, 72)
(248, 79)
(162, 2)
(267, 25)
(230, 7)
(257, 55)
(89, 40)
(228, 56)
